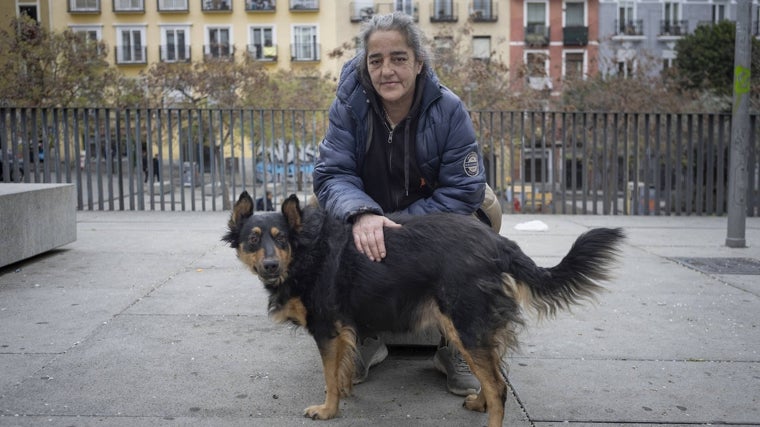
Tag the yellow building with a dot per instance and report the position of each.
(288, 34)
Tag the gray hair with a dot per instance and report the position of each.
(396, 21)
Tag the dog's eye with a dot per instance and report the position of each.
(254, 239)
(281, 239)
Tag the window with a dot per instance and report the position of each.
(217, 5)
(481, 9)
(29, 10)
(84, 5)
(536, 30)
(626, 17)
(362, 10)
(719, 12)
(304, 4)
(574, 65)
(219, 44)
(169, 5)
(481, 47)
(128, 5)
(671, 19)
(130, 46)
(443, 10)
(305, 46)
(91, 33)
(406, 6)
(537, 69)
(575, 14)
(625, 68)
(175, 43)
(262, 45)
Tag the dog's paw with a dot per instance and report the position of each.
(475, 402)
(320, 412)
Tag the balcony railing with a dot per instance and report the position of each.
(126, 55)
(305, 52)
(304, 5)
(674, 28)
(172, 5)
(174, 53)
(84, 6)
(484, 11)
(537, 35)
(446, 12)
(633, 27)
(575, 35)
(218, 51)
(217, 6)
(129, 6)
(260, 5)
(260, 52)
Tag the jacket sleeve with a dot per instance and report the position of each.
(460, 181)
(337, 183)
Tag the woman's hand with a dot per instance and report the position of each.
(368, 235)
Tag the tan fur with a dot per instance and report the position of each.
(293, 311)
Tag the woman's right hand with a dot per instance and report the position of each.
(368, 235)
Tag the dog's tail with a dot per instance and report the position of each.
(574, 279)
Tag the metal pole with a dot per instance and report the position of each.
(737, 180)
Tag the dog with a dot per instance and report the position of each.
(445, 270)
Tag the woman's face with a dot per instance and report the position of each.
(392, 66)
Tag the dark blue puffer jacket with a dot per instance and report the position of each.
(447, 153)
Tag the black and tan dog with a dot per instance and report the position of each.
(443, 270)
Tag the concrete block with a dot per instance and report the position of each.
(35, 218)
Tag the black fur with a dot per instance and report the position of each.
(439, 268)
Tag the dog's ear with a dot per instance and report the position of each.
(291, 210)
(243, 209)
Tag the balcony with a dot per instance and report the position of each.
(360, 14)
(304, 5)
(632, 28)
(484, 11)
(84, 6)
(172, 6)
(217, 6)
(446, 12)
(218, 52)
(266, 6)
(305, 52)
(128, 6)
(260, 52)
(172, 53)
(676, 29)
(576, 35)
(130, 55)
(537, 35)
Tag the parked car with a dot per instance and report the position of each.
(15, 167)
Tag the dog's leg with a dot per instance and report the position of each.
(338, 365)
(493, 388)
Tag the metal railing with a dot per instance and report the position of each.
(550, 162)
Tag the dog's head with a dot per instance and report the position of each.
(264, 242)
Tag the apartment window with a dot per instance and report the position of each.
(537, 69)
(304, 5)
(574, 65)
(172, 5)
(219, 43)
(626, 68)
(719, 12)
(262, 45)
(481, 47)
(217, 5)
(627, 17)
(30, 11)
(443, 10)
(92, 33)
(128, 6)
(175, 43)
(536, 30)
(305, 45)
(406, 6)
(481, 9)
(575, 14)
(84, 6)
(130, 45)
(362, 10)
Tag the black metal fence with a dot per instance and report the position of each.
(550, 162)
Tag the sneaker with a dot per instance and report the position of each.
(459, 378)
(369, 353)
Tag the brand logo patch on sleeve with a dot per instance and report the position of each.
(471, 164)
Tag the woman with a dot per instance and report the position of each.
(399, 140)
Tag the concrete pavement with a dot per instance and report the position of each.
(149, 320)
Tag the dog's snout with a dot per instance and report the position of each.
(270, 265)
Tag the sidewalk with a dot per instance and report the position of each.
(149, 320)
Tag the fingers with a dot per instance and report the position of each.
(368, 236)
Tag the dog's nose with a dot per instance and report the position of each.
(270, 266)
